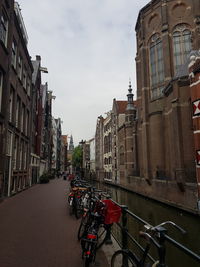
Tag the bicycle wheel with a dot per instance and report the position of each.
(122, 258)
(86, 262)
(78, 209)
(71, 209)
(82, 228)
(101, 236)
(88, 258)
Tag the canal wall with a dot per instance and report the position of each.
(164, 191)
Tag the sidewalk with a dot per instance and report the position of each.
(37, 231)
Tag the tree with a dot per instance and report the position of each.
(77, 157)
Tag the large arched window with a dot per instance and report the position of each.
(181, 45)
(156, 66)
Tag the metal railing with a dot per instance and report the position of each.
(126, 235)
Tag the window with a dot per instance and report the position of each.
(24, 77)
(156, 67)
(11, 105)
(9, 144)
(20, 156)
(27, 122)
(25, 156)
(17, 112)
(181, 45)
(1, 88)
(22, 118)
(28, 86)
(20, 67)
(14, 54)
(15, 153)
(4, 29)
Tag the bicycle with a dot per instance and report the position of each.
(153, 235)
(92, 204)
(90, 236)
(75, 199)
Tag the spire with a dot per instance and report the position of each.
(130, 105)
(71, 144)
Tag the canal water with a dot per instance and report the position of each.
(155, 213)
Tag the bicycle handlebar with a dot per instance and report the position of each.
(149, 238)
(173, 224)
(159, 228)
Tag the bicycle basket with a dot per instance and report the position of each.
(113, 212)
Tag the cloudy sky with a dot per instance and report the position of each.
(89, 49)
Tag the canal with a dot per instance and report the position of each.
(154, 213)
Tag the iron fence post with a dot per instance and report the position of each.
(124, 227)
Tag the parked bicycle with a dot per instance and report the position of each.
(153, 235)
(76, 198)
(95, 227)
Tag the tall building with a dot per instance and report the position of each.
(107, 145)
(194, 73)
(15, 96)
(118, 120)
(99, 170)
(70, 153)
(37, 164)
(65, 144)
(167, 34)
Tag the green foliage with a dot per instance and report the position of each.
(77, 157)
(44, 178)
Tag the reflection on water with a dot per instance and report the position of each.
(155, 213)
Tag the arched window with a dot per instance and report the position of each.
(181, 45)
(156, 66)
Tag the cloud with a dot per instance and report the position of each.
(89, 49)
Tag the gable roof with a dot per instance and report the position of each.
(121, 106)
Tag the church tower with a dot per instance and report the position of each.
(130, 134)
(71, 144)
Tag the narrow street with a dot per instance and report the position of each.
(37, 231)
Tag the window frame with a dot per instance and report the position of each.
(11, 103)
(156, 67)
(180, 52)
(24, 77)
(14, 54)
(20, 67)
(4, 28)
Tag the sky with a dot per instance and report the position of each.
(89, 49)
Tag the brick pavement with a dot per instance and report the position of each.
(36, 230)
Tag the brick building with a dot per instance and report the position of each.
(99, 149)
(16, 96)
(6, 14)
(194, 69)
(107, 146)
(167, 33)
(118, 120)
(38, 163)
